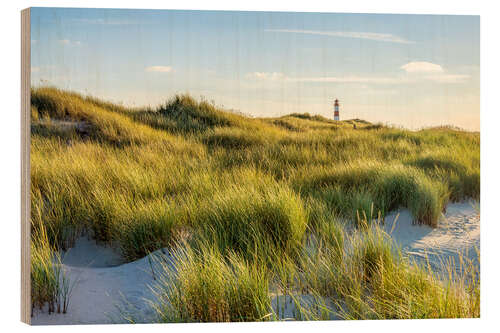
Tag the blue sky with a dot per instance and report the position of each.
(408, 70)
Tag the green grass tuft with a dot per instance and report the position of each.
(204, 286)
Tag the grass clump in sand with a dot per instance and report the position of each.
(49, 284)
(366, 277)
(204, 286)
(352, 189)
(375, 281)
(245, 219)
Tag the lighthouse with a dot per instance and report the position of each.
(336, 110)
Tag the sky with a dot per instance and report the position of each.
(412, 71)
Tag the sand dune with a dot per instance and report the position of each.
(103, 285)
(457, 234)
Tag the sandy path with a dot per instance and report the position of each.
(102, 283)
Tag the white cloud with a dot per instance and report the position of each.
(448, 78)
(418, 72)
(422, 67)
(432, 72)
(70, 42)
(159, 69)
(266, 76)
(274, 76)
(349, 79)
(381, 37)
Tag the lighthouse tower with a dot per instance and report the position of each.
(336, 110)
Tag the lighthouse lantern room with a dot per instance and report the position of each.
(336, 110)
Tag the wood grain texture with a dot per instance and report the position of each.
(25, 166)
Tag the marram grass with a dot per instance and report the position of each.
(49, 285)
(260, 204)
(205, 286)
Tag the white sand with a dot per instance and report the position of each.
(102, 284)
(101, 287)
(457, 235)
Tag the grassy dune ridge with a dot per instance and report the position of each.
(253, 189)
